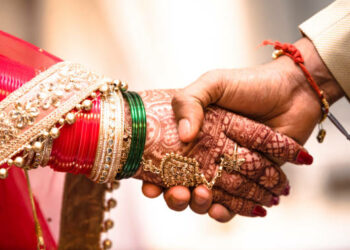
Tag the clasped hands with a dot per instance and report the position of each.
(275, 94)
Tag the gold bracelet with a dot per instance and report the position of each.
(110, 141)
(118, 138)
(176, 169)
(102, 141)
(114, 131)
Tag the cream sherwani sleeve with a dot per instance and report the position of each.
(329, 30)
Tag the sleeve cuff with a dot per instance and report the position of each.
(329, 30)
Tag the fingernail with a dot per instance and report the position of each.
(304, 158)
(259, 211)
(184, 128)
(286, 191)
(275, 201)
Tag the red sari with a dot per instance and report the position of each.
(19, 63)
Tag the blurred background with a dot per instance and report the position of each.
(168, 44)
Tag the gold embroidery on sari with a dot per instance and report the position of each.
(39, 104)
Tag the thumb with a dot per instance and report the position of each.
(189, 103)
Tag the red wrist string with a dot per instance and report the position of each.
(292, 52)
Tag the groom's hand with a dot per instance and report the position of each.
(276, 94)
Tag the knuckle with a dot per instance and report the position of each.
(211, 75)
(177, 100)
(181, 100)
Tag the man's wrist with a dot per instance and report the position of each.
(318, 70)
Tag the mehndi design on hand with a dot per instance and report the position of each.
(257, 181)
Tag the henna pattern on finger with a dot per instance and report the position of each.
(236, 205)
(259, 169)
(257, 136)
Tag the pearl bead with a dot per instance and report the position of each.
(10, 162)
(117, 84)
(61, 121)
(19, 161)
(124, 86)
(3, 173)
(103, 89)
(70, 118)
(28, 147)
(37, 146)
(55, 132)
(78, 106)
(45, 134)
(87, 105)
(93, 95)
(107, 244)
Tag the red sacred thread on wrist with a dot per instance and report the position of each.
(292, 52)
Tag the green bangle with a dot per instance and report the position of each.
(141, 131)
(143, 126)
(131, 153)
(130, 170)
(139, 124)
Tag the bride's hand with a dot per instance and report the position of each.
(259, 182)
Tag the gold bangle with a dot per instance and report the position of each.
(108, 156)
(118, 137)
(107, 150)
(102, 141)
(114, 130)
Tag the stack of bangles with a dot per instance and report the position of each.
(91, 139)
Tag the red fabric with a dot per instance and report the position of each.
(74, 151)
(19, 62)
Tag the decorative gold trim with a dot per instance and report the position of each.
(64, 83)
